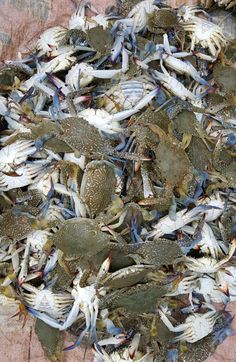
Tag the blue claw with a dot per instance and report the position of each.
(150, 48)
(56, 101)
(124, 167)
(165, 103)
(121, 145)
(82, 334)
(44, 208)
(128, 144)
(134, 231)
(40, 141)
(52, 189)
(158, 2)
(203, 81)
(112, 329)
(78, 342)
(69, 348)
(190, 308)
(160, 98)
(231, 140)
(220, 335)
(28, 94)
(34, 312)
(202, 177)
(52, 80)
(172, 355)
(114, 158)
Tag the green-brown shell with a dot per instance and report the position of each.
(15, 226)
(81, 238)
(83, 138)
(98, 186)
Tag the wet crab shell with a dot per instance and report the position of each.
(199, 327)
(79, 76)
(17, 152)
(81, 238)
(82, 22)
(101, 119)
(205, 33)
(15, 227)
(226, 20)
(51, 39)
(83, 137)
(125, 95)
(56, 305)
(140, 13)
(98, 185)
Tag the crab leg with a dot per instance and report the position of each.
(173, 85)
(80, 208)
(45, 318)
(166, 226)
(212, 48)
(169, 325)
(121, 216)
(14, 256)
(104, 269)
(147, 190)
(105, 73)
(51, 262)
(90, 313)
(232, 248)
(24, 267)
(43, 88)
(120, 116)
(71, 318)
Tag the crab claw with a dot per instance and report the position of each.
(79, 340)
(70, 348)
(84, 99)
(21, 280)
(233, 242)
(104, 268)
(134, 230)
(224, 289)
(106, 263)
(116, 340)
(22, 312)
(172, 355)
(134, 345)
(35, 275)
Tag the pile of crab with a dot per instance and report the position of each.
(117, 182)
